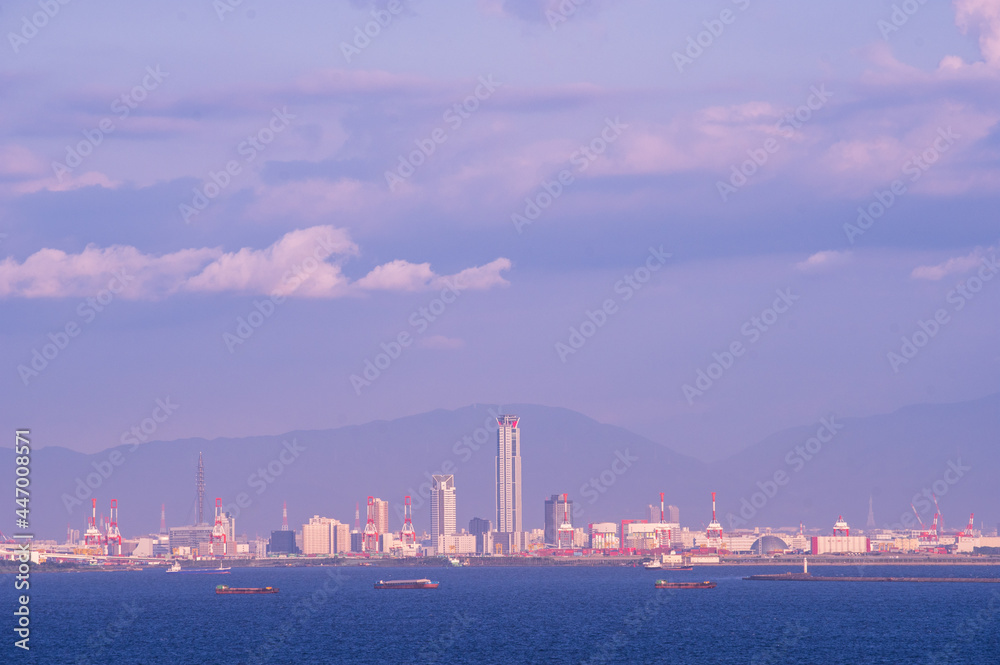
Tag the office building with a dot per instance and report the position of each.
(554, 515)
(282, 542)
(508, 482)
(324, 535)
(442, 507)
(381, 515)
(450, 545)
(197, 537)
(478, 526)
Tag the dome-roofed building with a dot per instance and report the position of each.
(769, 545)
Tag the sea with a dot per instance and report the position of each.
(534, 614)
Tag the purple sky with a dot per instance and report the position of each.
(242, 210)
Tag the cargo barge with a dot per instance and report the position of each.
(222, 588)
(406, 584)
(664, 584)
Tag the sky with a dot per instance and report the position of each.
(704, 222)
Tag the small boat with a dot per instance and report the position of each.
(678, 568)
(406, 584)
(664, 584)
(222, 588)
(176, 568)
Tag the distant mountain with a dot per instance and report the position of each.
(609, 472)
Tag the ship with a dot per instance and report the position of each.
(406, 584)
(176, 568)
(664, 584)
(222, 588)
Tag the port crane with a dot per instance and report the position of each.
(370, 538)
(408, 536)
(113, 534)
(218, 530)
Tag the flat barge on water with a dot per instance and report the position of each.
(406, 584)
(222, 588)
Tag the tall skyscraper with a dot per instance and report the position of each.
(442, 507)
(554, 513)
(508, 469)
(382, 516)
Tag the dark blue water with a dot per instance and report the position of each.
(506, 615)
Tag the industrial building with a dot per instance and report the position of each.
(841, 542)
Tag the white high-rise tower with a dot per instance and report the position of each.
(508, 469)
(442, 507)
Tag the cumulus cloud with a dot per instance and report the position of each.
(958, 264)
(405, 276)
(52, 273)
(304, 263)
(982, 17)
(297, 262)
(825, 260)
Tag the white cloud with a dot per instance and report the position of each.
(823, 261)
(52, 273)
(982, 17)
(296, 263)
(405, 276)
(958, 264)
(305, 263)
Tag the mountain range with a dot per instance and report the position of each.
(809, 474)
